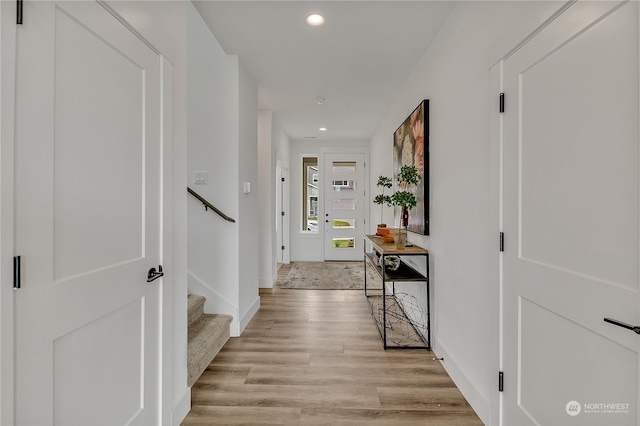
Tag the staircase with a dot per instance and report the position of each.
(207, 334)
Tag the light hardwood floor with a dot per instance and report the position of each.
(313, 357)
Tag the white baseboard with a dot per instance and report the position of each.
(181, 409)
(266, 283)
(246, 318)
(480, 405)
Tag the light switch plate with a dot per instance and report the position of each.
(201, 177)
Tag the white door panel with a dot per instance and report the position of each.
(115, 337)
(87, 218)
(88, 194)
(571, 220)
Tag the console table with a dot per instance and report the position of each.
(401, 319)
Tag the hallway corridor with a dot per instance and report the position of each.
(313, 357)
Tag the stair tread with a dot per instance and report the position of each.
(208, 322)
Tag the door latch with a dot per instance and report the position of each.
(153, 275)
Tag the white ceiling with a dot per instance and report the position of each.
(358, 60)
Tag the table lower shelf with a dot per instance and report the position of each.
(403, 329)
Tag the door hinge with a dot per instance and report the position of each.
(19, 12)
(282, 179)
(500, 381)
(16, 272)
(282, 213)
(282, 247)
(502, 241)
(501, 102)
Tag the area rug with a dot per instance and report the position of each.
(329, 276)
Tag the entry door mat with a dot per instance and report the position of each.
(330, 276)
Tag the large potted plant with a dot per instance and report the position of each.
(382, 200)
(408, 180)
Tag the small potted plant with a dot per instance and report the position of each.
(408, 178)
(382, 200)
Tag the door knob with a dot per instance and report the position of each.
(634, 328)
(153, 275)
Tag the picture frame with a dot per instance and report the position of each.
(411, 148)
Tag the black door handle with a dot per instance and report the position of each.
(634, 328)
(153, 275)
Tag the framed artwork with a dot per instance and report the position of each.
(411, 148)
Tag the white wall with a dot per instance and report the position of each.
(213, 244)
(307, 246)
(266, 201)
(273, 144)
(249, 215)
(222, 141)
(454, 75)
(280, 143)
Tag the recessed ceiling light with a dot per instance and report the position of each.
(315, 19)
(323, 129)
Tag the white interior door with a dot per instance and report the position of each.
(571, 220)
(88, 210)
(282, 216)
(344, 206)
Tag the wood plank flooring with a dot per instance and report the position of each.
(313, 357)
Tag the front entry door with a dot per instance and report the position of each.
(344, 206)
(88, 209)
(571, 220)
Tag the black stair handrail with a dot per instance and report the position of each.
(208, 205)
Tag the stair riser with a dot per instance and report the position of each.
(195, 308)
(206, 337)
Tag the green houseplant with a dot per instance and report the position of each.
(382, 199)
(408, 180)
